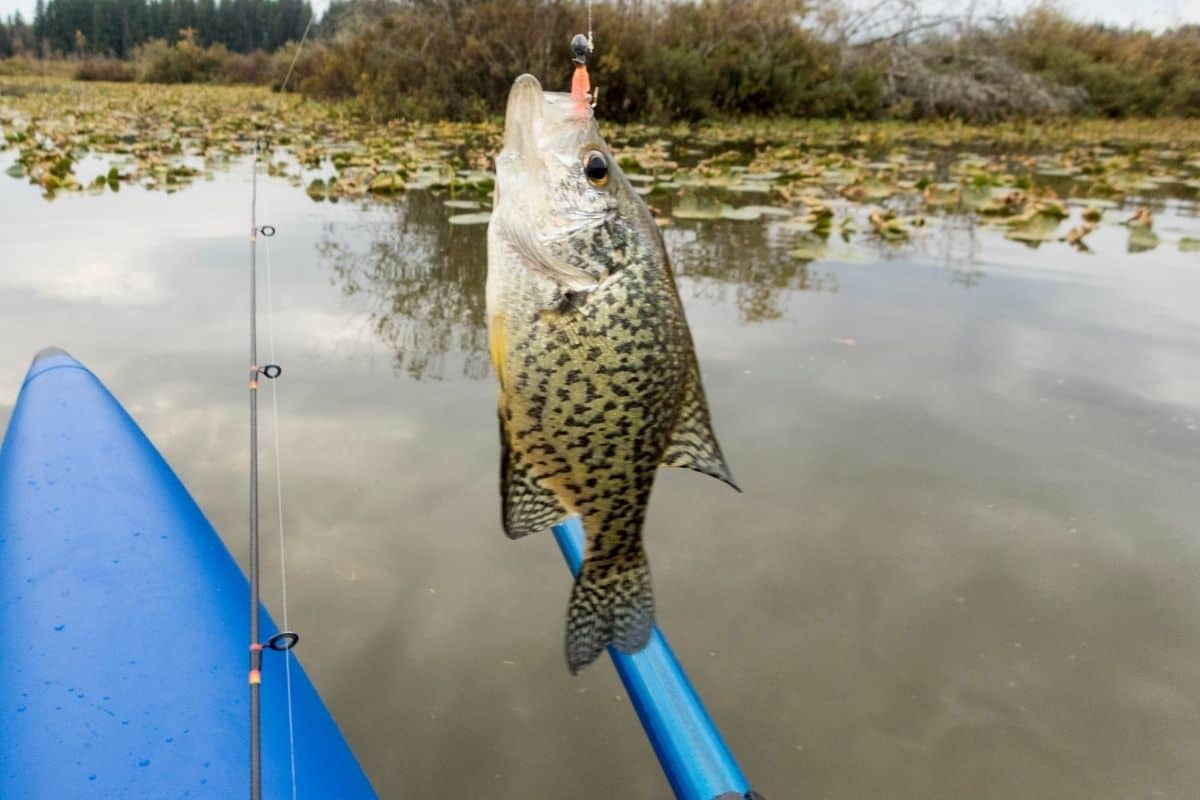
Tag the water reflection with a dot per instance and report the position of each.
(959, 249)
(965, 562)
(425, 280)
(753, 259)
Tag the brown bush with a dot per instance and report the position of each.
(257, 67)
(105, 69)
(669, 60)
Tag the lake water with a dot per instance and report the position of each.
(965, 564)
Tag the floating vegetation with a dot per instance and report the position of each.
(478, 218)
(865, 182)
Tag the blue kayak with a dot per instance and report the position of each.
(123, 633)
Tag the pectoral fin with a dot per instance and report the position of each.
(693, 444)
(526, 506)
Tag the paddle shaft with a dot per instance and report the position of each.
(689, 747)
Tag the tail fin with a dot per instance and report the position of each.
(612, 603)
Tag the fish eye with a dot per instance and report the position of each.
(595, 167)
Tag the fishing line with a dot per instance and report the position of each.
(299, 47)
(287, 656)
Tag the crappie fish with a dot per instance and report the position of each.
(599, 383)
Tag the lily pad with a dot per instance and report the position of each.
(692, 206)
(942, 195)
(478, 218)
(387, 183)
(809, 249)
(742, 214)
(1189, 245)
(772, 211)
(316, 189)
(751, 187)
(1142, 239)
(1036, 231)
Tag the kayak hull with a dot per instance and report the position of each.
(123, 671)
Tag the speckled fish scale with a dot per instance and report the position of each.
(599, 383)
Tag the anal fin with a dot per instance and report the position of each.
(526, 506)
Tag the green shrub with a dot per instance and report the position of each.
(1124, 72)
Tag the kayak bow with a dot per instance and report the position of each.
(122, 614)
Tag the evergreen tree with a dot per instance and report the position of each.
(117, 27)
(39, 19)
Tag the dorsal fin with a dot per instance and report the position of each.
(693, 443)
(526, 507)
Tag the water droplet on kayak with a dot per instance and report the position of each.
(91, 777)
(59, 627)
(145, 762)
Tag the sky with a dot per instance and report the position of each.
(1156, 14)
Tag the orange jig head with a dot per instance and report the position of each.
(581, 84)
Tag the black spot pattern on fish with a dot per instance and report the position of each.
(600, 387)
(606, 414)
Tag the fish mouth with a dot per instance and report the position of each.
(523, 117)
(535, 116)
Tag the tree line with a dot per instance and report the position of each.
(117, 27)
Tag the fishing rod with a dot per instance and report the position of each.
(284, 640)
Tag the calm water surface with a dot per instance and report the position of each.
(965, 565)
